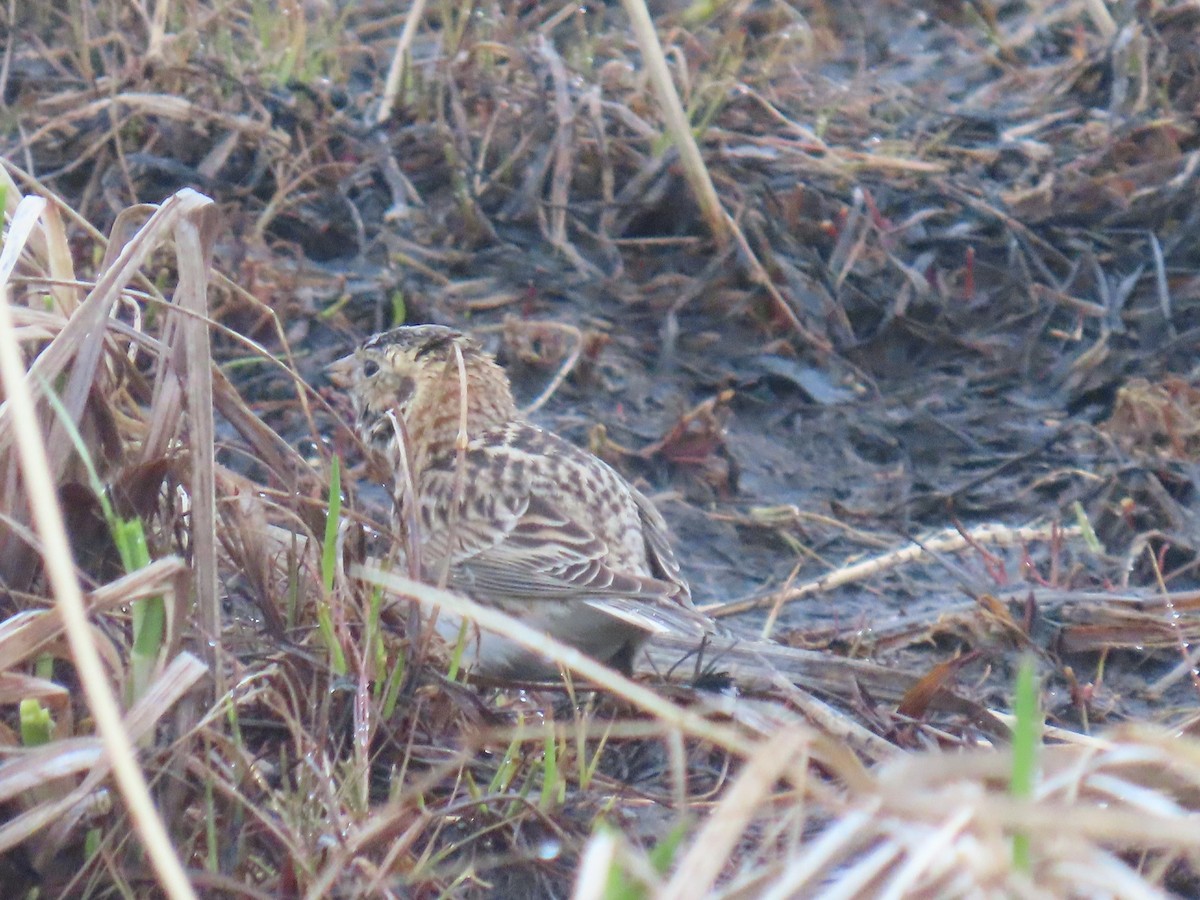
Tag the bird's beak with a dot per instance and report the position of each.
(341, 373)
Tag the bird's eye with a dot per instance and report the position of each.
(370, 368)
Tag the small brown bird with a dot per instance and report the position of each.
(543, 530)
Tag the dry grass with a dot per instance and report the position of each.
(252, 708)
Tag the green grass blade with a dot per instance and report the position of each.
(37, 726)
(1027, 739)
(332, 517)
(337, 658)
(551, 788)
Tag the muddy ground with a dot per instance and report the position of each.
(995, 244)
(984, 224)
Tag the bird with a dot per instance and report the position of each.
(516, 517)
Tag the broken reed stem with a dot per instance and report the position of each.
(194, 238)
(946, 542)
(678, 127)
(400, 58)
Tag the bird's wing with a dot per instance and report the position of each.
(661, 556)
(521, 544)
(529, 549)
(545, 555)
(657, 618)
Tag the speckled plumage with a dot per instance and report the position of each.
(545, 530)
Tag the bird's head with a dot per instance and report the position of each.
(414, 373)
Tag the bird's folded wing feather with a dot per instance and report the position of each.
(543, 555)
(527, 548)
(658, 547)
(656, 618)
(531, 550)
